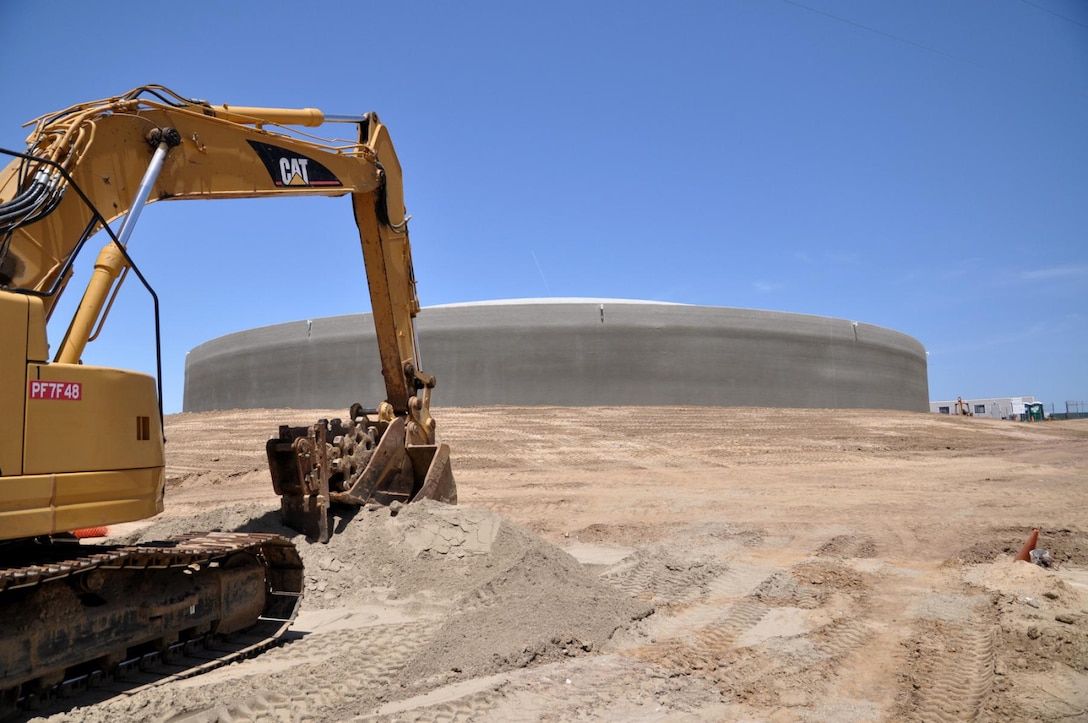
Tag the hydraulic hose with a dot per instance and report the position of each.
(30, 197)
(38, 199)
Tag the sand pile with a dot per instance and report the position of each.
(495, 596)
(1023, 580)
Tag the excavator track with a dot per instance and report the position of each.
(82, 616)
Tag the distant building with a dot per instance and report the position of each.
(572, 352)
(995, 407)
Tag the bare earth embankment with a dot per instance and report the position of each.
(667, 564)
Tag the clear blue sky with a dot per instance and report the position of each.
(915, 164)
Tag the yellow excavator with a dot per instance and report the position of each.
(82, 446)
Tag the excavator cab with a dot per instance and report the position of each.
(81, 446)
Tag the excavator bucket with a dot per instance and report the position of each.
(438, 481)
(366, 460)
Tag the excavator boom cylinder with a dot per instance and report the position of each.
(306, 117)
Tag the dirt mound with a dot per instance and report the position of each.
(1012, 577)
(1066, 546)
(253, 517)
(509, 598)
(500, 597)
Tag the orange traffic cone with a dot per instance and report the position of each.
(1025, 551)
(91, 532)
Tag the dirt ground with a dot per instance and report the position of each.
(655, 564)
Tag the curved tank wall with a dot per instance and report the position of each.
(575, 352)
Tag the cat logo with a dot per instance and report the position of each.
(293, 172)
(288, 168)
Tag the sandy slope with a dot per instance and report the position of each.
(724, 564)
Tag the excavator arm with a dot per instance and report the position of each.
(92, 164)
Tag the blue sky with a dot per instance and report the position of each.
(915, 164)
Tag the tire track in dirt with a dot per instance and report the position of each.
(469, 708)
(952, 672)
(606, 688)
(654, 576)
(681, 619)
(378, 654)
(800, 667)
(783, 590)
(848, 546)
(794, 626)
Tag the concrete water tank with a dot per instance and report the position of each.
(572, 352)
